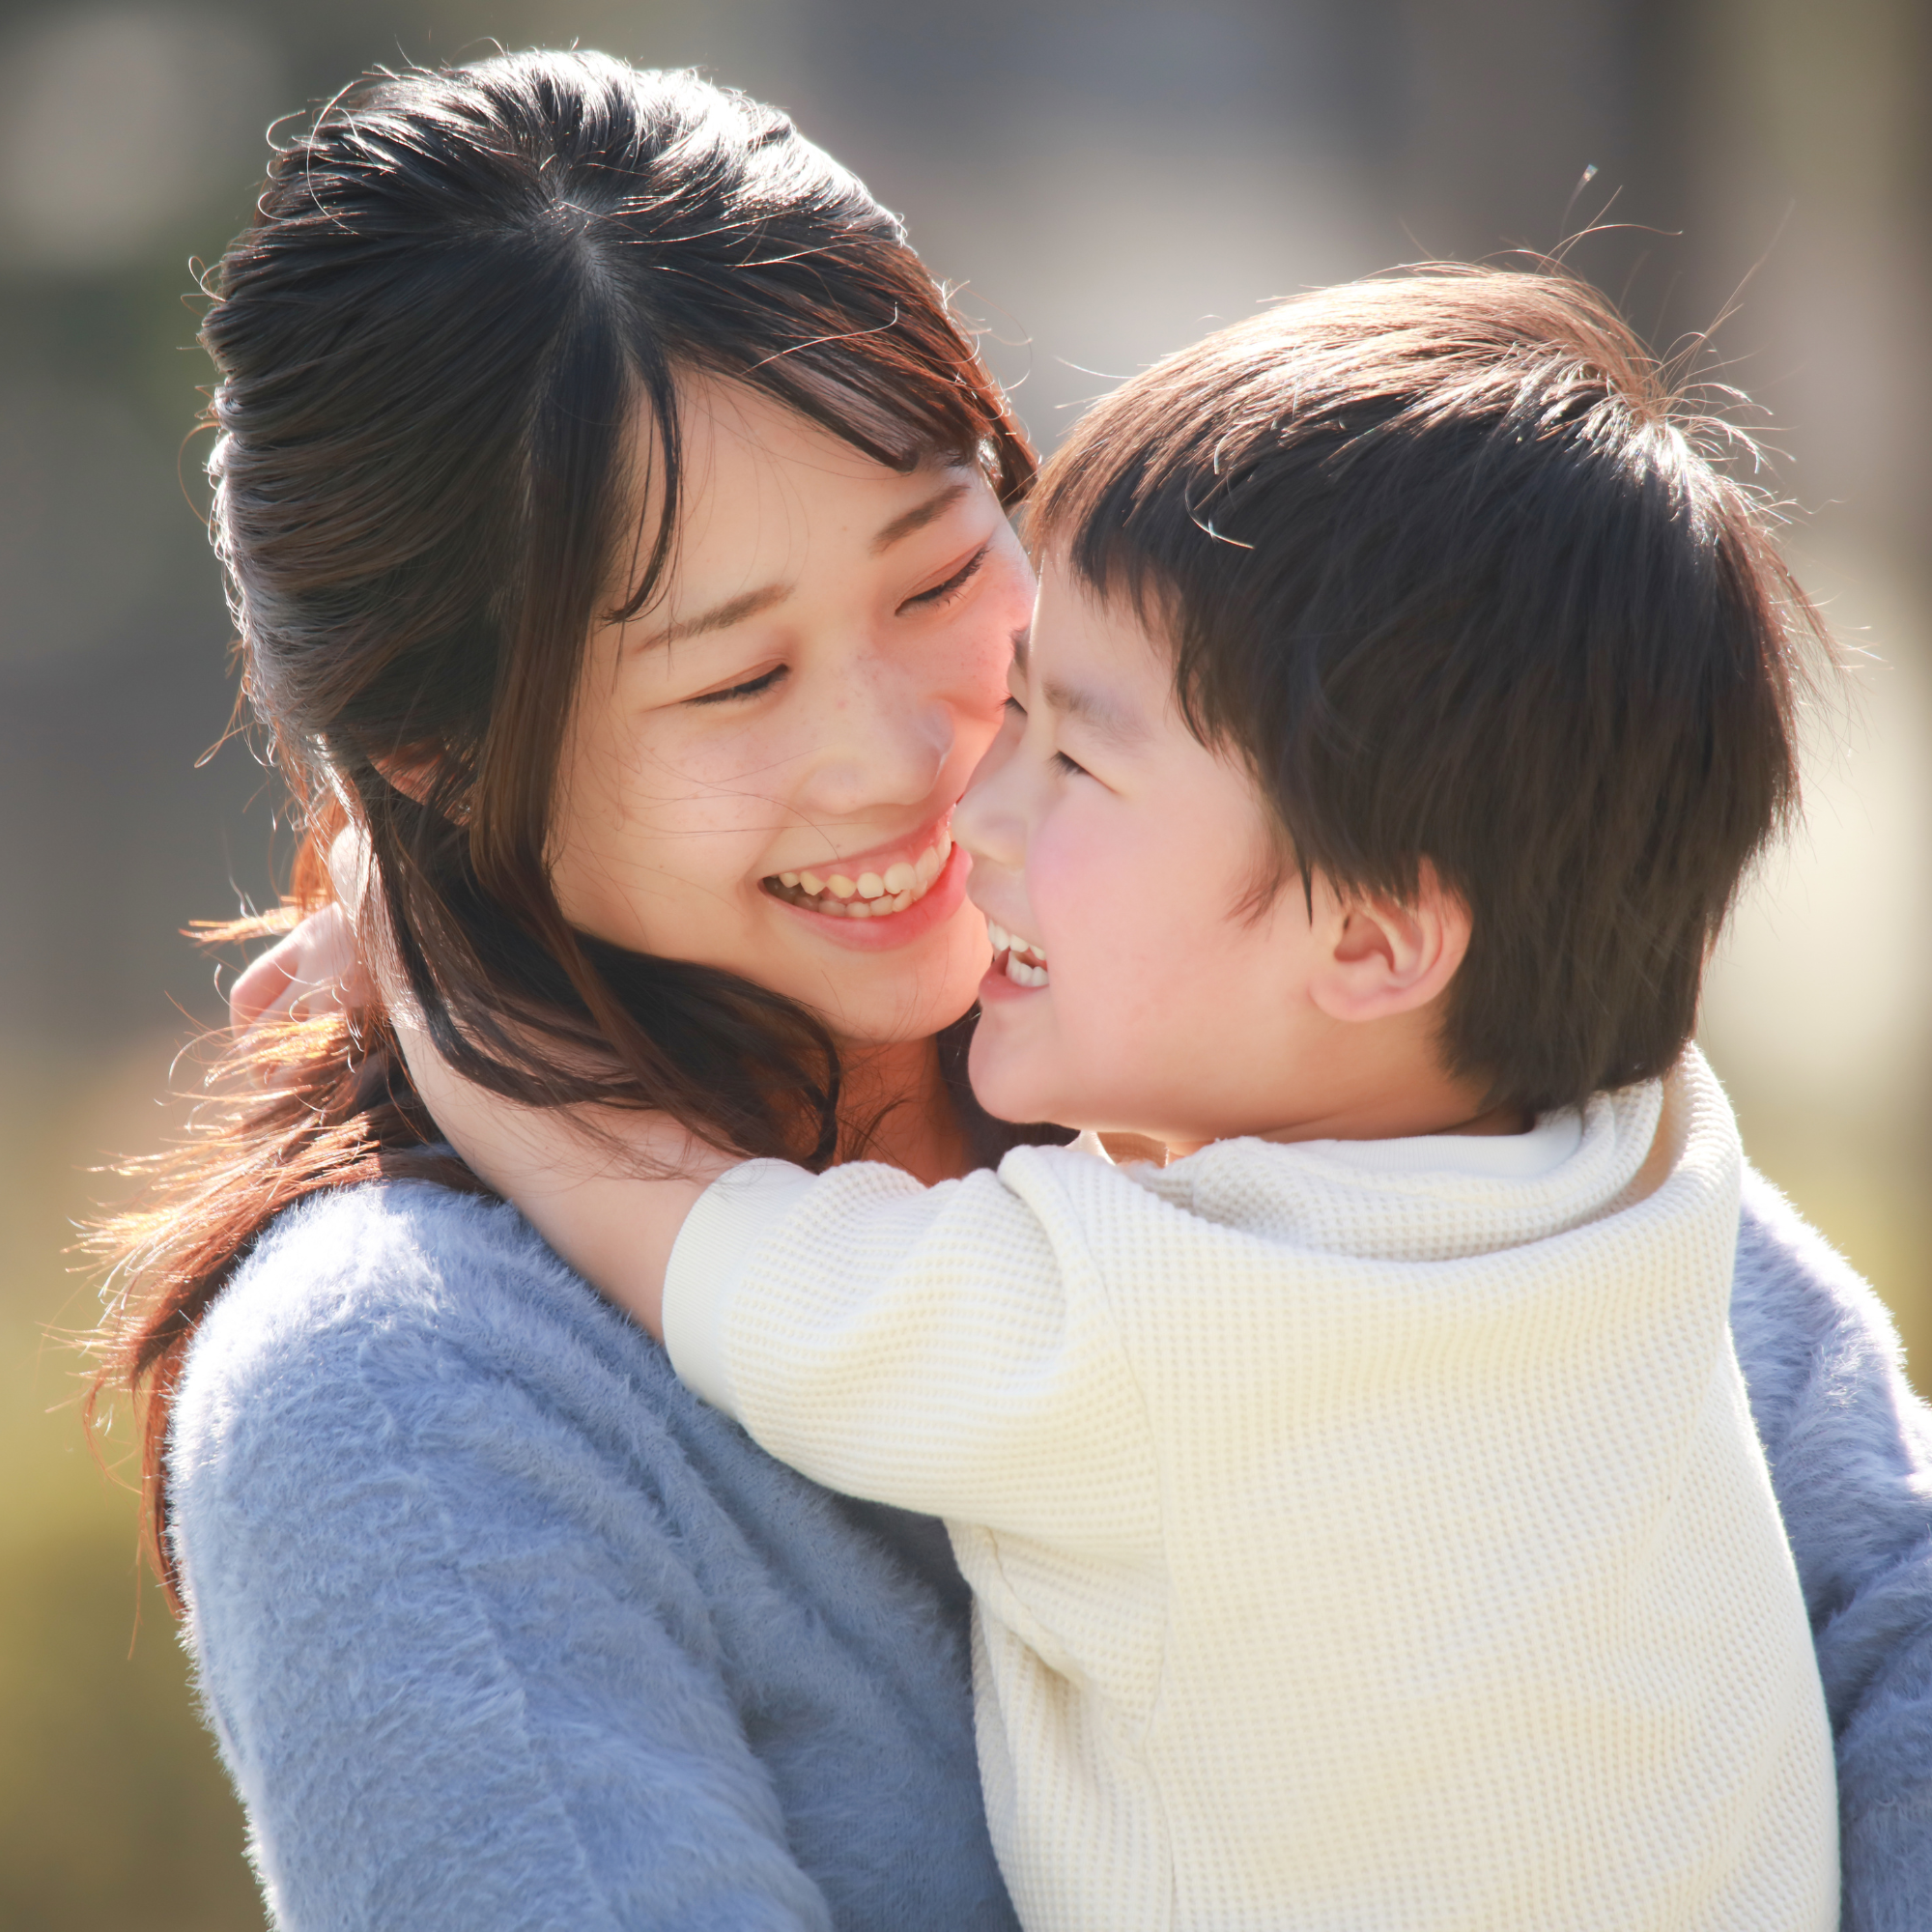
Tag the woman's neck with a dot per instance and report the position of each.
(898, 1108)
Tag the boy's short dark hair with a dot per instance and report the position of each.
(1440, 556)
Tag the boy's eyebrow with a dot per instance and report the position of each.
(1096, 711)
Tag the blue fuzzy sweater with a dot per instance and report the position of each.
(499, 1627)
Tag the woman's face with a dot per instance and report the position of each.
(761, 767)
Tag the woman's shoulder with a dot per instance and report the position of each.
(402, 1337)
(410, 1251)
(1850, 1450)
(1848, 1442)
(401, 1312)
(494, 1620)
(360, 1276)
(1811, 1333)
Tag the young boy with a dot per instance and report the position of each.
(1364, 1518)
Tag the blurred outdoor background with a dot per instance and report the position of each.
(1104, 178)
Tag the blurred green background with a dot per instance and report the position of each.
(1106, 180)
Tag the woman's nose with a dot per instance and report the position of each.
(879, 743)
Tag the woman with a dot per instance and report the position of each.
(615, 524)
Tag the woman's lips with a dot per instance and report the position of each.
(868, 885)
(882, 932)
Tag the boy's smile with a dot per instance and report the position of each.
(1111, 852)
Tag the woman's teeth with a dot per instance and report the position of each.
(871, 894)
(1030, 971)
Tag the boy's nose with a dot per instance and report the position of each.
(988, 821)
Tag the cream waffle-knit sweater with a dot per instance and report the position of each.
(1361, 1534)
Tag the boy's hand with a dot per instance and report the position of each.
(319, 968)
(607, 1188)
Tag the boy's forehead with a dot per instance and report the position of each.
(1093, 660)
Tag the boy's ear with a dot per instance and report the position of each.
(1382, 958)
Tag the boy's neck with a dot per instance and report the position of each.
(1495, 1121)
(1410, 1098)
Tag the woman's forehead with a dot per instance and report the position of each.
(736, 431)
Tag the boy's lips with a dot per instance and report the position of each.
(999, 986)
(1019, 964)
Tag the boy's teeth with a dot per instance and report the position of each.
(1011, 942)
(871, 894)
(1021, 970)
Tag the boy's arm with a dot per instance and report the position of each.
(609, 1200)
(940, 1349)
(582, 1190)
(1850, 1450)
(952, 1349)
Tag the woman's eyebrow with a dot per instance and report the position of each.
(721, 616)
(918, 516)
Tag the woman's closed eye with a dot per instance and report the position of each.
(1063, 764)
(949, 587)
(750, 688)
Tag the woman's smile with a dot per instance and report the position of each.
(936, 909)
(799, 713)
(871, 885)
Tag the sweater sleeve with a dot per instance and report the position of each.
(1850, 1450)
(950, 1349)
(458, 1683)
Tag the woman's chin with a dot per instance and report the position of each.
(889, 999)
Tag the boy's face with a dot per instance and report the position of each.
(1104, 833)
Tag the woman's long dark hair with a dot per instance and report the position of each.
(431, 342)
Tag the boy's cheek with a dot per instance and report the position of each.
(1080, 897)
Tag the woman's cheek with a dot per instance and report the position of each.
(727, 775)
(1004, 613)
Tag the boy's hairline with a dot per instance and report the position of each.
(1110, 510)
(1140, 588)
